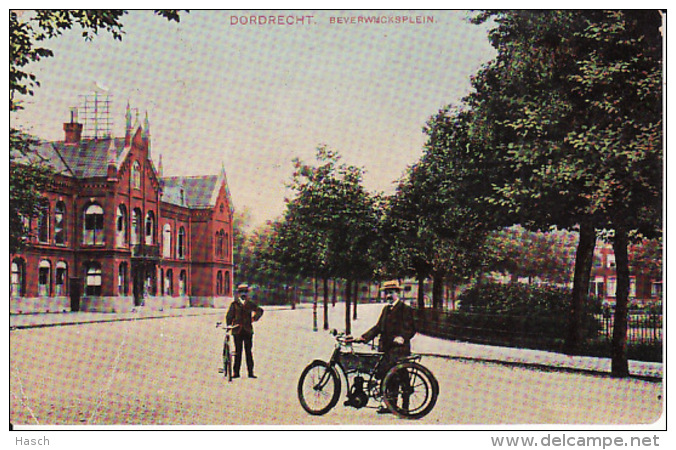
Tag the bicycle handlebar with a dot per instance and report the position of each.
(226, 327)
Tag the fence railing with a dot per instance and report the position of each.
(642, 328)
(531, 331)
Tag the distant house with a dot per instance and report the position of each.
(114, 235)
(644, 289)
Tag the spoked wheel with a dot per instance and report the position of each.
(410, 390)
(318, 388)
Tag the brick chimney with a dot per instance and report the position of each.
(73, 129)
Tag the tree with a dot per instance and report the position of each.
(438, 216)
(518, 252)
(28, 176)
(571, 107)
(330, 225)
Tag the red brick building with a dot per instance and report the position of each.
(114, 235)
(644, 288)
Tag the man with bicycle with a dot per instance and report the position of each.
(396, 328)
(241, 315)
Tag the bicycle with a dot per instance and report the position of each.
(226, 370)
(408, 389)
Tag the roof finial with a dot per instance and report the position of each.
(127, 116)
(160, 170)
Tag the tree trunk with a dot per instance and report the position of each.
(356, 300)
(333, 298)
(314, 305)
(583, 262)
(421, 292)
(348, 297)
(438, 290)
(620, 363)
(326, 303)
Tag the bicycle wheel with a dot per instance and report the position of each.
(227, 361)
(318, 388)
(410, 390)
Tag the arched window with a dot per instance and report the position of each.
(182, 283)
(226, 282)
(181, 243)
(93, 225)
(166, 241)
(136, 226)
(121, 226)
(18, 278)
(43, 223)
(169, 282)
(122, 279)
(217, 245)
(136, 175)
(219, 283)
(150, 228)
(93, 278)
(60, 280)
(226, 243)
(60, 232)
(44, 278)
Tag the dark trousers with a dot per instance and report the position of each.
(243, 340)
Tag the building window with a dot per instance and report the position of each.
(612, 286)
(226, 243)
(226, 282)
(43, 224)
(220, 243)
(656, 289)
(610, 261)
(60, 224)
(93, 279)
(166, 241)
(136, 226)
(60, 279)
(121, 226)
(182, 283)
(136, 175)
(169, 282)
(18, 278)
(150, 285)
(122, 279)
(93, 225)
(44, 278)
(219, 283)
(150, 228)
(181, 243)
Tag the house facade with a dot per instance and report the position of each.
(644, 289)
(114, 235)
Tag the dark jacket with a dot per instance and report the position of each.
(396, 320)
(243, 314)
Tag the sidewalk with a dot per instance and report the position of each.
(422, 344)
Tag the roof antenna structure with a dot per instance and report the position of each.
(95, 108)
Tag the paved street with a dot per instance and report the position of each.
(164, 372)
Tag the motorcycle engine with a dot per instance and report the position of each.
(357, 398)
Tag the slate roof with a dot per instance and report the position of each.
(90, 159)
(197, 191)
(86, 160)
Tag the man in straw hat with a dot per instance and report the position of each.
(395, 327)
(241, 314)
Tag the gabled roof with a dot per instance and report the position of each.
(194, 191)
(91, 157)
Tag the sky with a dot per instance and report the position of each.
(222, 91)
